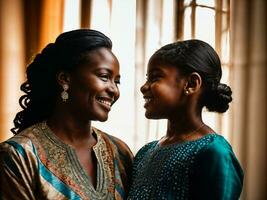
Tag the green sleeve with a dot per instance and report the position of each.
(218, 174)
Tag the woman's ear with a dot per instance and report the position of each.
(63, 78)
(193, 85)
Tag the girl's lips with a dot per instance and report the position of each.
(148, 100)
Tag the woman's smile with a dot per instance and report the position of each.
(105, 102)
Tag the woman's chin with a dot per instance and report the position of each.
(100, 117)
(103, 119)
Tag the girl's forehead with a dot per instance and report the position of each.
(162, 68)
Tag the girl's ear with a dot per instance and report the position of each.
(63, 78)
(193, 85)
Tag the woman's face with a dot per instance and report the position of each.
(163, 91)
(94, 85)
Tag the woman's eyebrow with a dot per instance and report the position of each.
(107, 70)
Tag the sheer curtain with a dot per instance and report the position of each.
(25, 28)
(249, 82)
(154, 28)
(116, 19)
(11, 62)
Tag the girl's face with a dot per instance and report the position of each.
(163, 91)
(94, 85)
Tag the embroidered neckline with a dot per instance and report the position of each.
(104, 175)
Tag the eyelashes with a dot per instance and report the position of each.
(106, 78)
(153, 78)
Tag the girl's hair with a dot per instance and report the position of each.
(41, 88)
(198, 56)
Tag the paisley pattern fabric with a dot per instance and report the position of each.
(36, 164)
(202, 169)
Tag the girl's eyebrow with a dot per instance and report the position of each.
(155, 70)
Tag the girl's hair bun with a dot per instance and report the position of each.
(219, 98)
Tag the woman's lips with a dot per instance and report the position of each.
(105, 102)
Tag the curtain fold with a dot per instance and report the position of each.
(249, 82)
(154, 28)
(25, 28)
(86, 13)
(51, 22)
(32, 10)
(11, 62)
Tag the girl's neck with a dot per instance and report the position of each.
(183, 130)
(183, 126)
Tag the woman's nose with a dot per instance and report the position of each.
(113, 89)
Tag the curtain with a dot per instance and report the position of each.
(25, 28)
(154, 28)
(249, 82)
(11, 62)
(51, 22)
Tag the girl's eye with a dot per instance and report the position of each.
(117, 82)
(153, 78)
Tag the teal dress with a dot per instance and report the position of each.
(202, 169)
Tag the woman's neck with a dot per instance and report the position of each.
(70, 129)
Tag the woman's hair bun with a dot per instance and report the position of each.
(219, 98)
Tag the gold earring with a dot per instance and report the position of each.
(186, 92)
(65, 94)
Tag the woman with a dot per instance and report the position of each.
(56, 153)
(191, 161)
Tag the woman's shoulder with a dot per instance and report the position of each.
(18, 148)
(20, 142)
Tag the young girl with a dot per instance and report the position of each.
(191, 161)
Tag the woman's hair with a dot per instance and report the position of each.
(41, 88)
(198, 56)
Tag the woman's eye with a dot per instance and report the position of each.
(104, 77)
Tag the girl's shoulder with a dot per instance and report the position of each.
(147, 147)
(218, 146)
(219, 153)
(144, 150)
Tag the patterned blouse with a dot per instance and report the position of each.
(202, 169)
(36, 164)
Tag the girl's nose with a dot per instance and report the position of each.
(144, 88)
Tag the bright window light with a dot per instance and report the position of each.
(72, 15)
